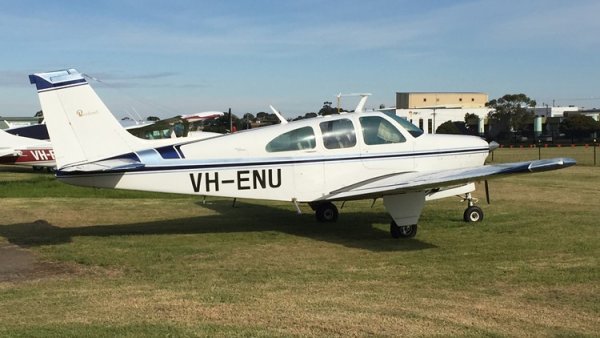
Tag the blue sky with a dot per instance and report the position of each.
(173, 57)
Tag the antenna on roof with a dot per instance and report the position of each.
(278, 114)
(360, 107)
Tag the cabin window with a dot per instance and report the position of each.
(298, 139)
(338, 134)
(377, 130)
(408, 125)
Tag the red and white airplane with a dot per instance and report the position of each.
(19, 150)
(360, 155)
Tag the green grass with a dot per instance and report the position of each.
(111, 263)
(583, 155)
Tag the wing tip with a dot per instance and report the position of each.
(551, 164)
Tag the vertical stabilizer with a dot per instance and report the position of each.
(81, 127)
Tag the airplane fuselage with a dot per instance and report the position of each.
(249, 165)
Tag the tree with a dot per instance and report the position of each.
(246, 121)
(472, 124)
(447, 127)
(327, 109)
(306, 116)
(261, 115)
(511, 114)
(579, 126)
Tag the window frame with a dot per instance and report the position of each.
(294, 143)
(367, 139)
(342, 138)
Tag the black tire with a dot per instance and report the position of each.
(473, 214)
(407, 231)
(326, 212)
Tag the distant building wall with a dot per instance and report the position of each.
(554, 111)
(416, 100)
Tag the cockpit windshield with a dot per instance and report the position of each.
(411, 128)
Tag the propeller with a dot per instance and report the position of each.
(487, 192)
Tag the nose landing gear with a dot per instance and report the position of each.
(473, 213)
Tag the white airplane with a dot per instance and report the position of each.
(19, 150)
(360, 155)
(207, 115)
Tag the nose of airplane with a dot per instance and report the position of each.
(493, 145)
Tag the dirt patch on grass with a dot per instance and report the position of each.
(18, 264)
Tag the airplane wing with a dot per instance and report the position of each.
(404, 182)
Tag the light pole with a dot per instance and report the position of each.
(595, 144)
(433, 126)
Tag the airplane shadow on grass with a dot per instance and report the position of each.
(353, 229)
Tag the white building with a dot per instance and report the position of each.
(548, 111)
(428, 110)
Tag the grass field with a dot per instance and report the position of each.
(583, 155)
(89, 262)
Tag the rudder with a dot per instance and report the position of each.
(81, 128)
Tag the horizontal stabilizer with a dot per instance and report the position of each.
(8, 152)
(55, 79)
(109, 165)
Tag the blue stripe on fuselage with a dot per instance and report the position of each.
(174, 164)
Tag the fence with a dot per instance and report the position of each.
(584, 154)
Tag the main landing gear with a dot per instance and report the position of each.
(473, 213)
(325, 212)
(406, 231)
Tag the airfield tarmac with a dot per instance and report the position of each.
(77, 261)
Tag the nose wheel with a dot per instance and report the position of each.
(473, 213)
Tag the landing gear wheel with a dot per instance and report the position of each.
(473, 214)
(326, 212)
(406, 231)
